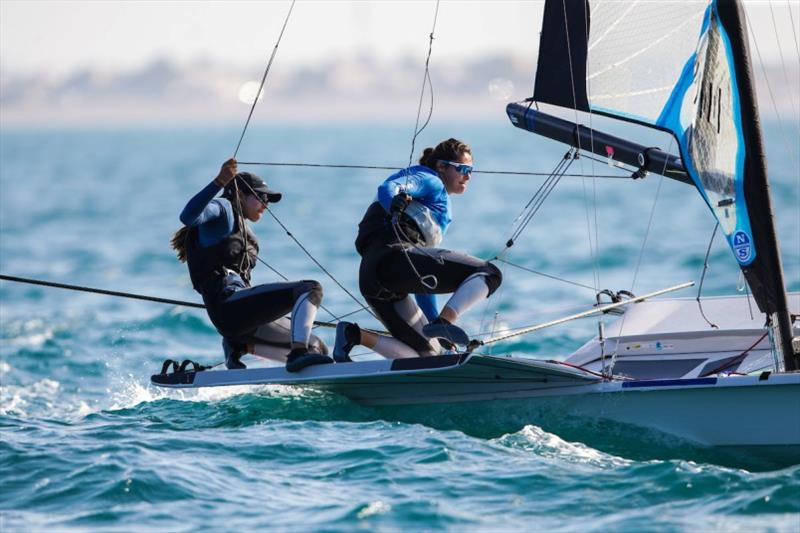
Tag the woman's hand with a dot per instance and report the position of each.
(399, 203)
(226, 173)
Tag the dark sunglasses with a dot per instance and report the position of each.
(460, 167)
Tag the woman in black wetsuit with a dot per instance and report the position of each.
(221, 251)
(397, 240)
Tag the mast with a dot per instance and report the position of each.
(765, 273)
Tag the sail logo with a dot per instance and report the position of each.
(742, 246)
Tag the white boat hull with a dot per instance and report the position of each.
(762, 410)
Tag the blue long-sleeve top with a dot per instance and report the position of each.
(213, 216)
(424, 186)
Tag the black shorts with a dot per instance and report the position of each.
(237, 314)
(386, 278)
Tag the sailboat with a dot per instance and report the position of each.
(660, 366)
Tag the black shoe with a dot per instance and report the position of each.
(443, 329)
(233, 354)
(299, 358)
(347, 336)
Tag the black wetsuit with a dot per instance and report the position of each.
(220, 255)
(386, 277)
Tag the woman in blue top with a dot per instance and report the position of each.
(220, 251)
(397, 240)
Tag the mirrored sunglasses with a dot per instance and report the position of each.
(460, 167)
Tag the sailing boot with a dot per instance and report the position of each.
(442, 328)
(299, 358)
(233, 354)
(348, 334)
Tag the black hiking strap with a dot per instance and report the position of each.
(181, 368)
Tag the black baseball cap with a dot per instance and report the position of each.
(259, 186)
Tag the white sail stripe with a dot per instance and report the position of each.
(643, 50)
(612, 26)
(632, 93)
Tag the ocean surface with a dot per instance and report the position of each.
(86, 443)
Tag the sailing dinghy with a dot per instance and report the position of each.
(661, 366)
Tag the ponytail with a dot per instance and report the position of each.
(178, 243)
(449, 150)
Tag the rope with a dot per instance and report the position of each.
(703, 277)
(133, 296)
(426, 78)
(263, 80)
(736, 360)
(102, 291)
(575, 283)
(379, 167)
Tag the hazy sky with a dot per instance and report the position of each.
(60, 36)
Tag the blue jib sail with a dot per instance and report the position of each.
(704, 113)
(682, 67)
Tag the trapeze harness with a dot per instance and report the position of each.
(388, 251)
(220, 272)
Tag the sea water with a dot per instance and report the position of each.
(88, 443)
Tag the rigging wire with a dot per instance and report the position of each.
(594, 252)
(784, 136)
(639, 260)
(244, 231)
(541, 194)
(383, 167)
(305, 250)
(526, 214)
(236, 188)
(593, 247)
(794, 33)
(334, 316)
(780, 52)
(788, 145)
(536, 201)
(263, 80)
(426, 78)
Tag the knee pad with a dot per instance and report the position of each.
(492, 276)
(314, 290)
